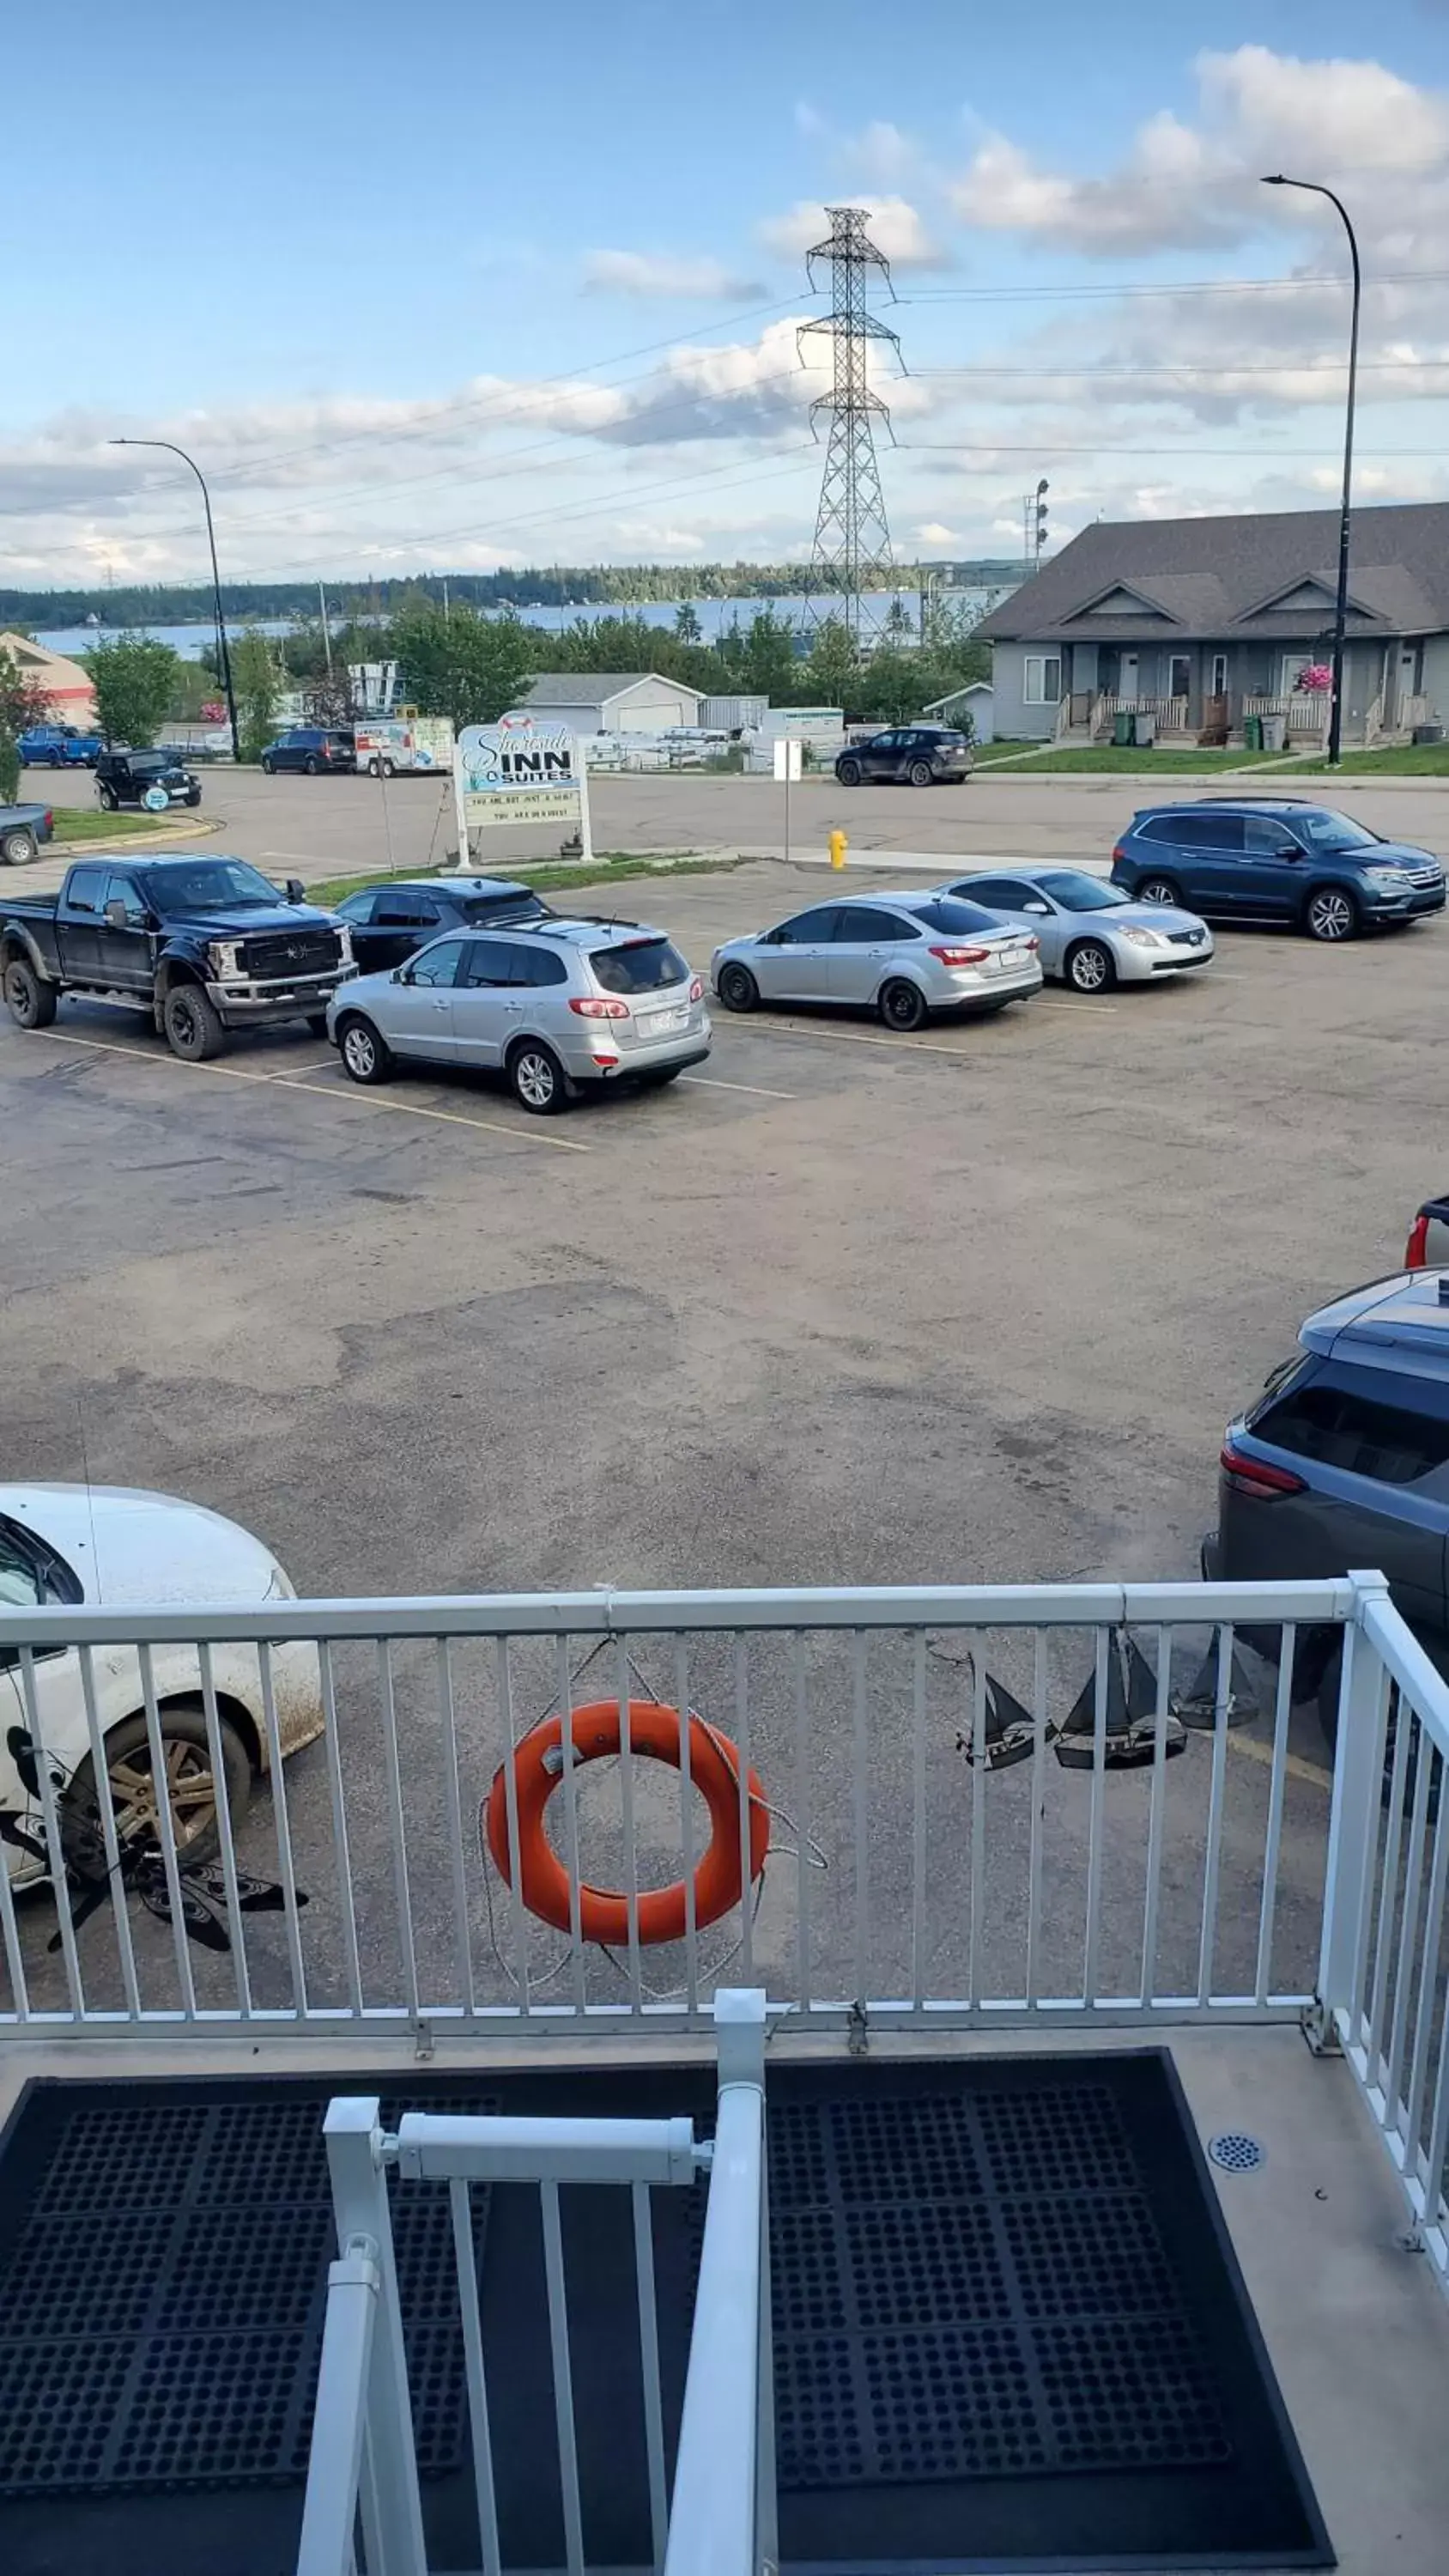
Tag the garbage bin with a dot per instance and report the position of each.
(1428, 733)
(1124, 728)
(1144, 731)
(1274, 731)
(1252, 733)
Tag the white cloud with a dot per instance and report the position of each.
(931, 533)
(896, 228)
(634, 272)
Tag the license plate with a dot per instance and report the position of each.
(656, 1024)
(1005, 958)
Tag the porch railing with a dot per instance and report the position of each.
(363, 2468)
(1304, 711)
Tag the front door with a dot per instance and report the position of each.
(126, 954)
(417, 1015)
(793, 963)
(882, 755)
(1179, 676)
(1127, 679)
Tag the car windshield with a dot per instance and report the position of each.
(638, 966)
(522, 906)
(1078, 893)
(1326, 830)
(213, 885)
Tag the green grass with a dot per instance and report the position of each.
(78, 823)
(1401, 760)
(1109, 756)
(548, 876)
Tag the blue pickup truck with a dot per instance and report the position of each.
(59, 746)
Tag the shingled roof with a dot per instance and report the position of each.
(1205, 580)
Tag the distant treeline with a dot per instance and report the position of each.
(551, 586)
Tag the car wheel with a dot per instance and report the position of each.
(190, 1783)
(269, 766)
(312, 765)
(1330, 914)
(193, 1028)
(1091, 967)
(31, 1003)
(19, 847)
(1157, 890)
(737, 989)
(374, 769)
(109, 799)
(365, 1055)
(537, 1078)
(901, 1005)
(920, 773)
(848, 772)
(388, 770)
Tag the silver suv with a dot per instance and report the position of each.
(556, 1007)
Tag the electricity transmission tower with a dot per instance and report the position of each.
(852, 541)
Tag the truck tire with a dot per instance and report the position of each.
(30, 1002)
(193, 1028)
(18, 847)
(109, 799)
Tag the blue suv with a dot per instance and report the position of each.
(1267, 858)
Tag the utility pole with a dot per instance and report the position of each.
(1313, 187)
(326, 629)
(852, 540)
(222, 654)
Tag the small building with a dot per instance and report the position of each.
(976, 700)
(66, 687)
(1205, 624)
(611, 701)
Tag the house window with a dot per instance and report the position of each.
(1219, 682)
(1043, 680)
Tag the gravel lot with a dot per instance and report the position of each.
(850, 1309)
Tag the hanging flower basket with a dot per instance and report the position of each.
(1315, 676)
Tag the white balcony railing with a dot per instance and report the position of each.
(1044, 1807)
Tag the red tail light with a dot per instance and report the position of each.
(696, 990)
(1417, 1248)
(1119, 851)
(1256, 1475)
(590, 1010)
(962, 956)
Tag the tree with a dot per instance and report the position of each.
(134, 679)
(257, 688)
(21, 704)
(890, 686)
(687, 628)
(832, 676)
(465, 666)
(898, 627)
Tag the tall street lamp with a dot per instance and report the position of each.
(222, 653)
(1276, 179)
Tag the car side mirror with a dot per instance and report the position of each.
(1044, 909)
(401, 975)
(115, 914)
(296, 891)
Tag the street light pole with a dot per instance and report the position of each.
(222, 653)
(1276, 179)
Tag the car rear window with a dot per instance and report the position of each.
(951, 915)
(503, 907)
(1347, 1418)
(638, 966)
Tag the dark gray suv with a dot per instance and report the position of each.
(1343, 1462)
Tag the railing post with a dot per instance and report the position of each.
(1354, 1818)
(394, 2523)
(334, 2467)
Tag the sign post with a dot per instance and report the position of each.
(787, 771)
(460, 809)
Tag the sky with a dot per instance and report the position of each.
(443, 288)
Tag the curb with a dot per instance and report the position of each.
(161, 839)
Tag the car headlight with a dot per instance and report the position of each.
(1144, 938)
(1388, 880)
(345, 939)
(225, 957)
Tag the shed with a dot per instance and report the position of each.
(612, 701)
(977, 700)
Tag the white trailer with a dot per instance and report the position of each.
(396, 746)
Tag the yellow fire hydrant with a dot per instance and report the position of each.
(837, 848)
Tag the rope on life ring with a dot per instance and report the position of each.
(655, 1731)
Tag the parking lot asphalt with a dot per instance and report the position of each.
(318, 828)
(842, 1307)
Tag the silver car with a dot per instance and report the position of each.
(557, 1007)
(903, 955)
(1092, 935)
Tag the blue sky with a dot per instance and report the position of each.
(428, 288)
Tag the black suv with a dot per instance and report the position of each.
(922, 755)
(312, 748)
(388, 922)
(149, 778)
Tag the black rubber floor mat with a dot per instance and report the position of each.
(161, 2308)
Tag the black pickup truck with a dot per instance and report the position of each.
(205, 945)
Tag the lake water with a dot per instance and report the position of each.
(715, 616)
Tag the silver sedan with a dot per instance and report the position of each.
(1092, 935)
(903, 955)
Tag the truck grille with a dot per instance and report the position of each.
(301, 952)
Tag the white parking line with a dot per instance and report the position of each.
(711, 1082)
(359, 1098)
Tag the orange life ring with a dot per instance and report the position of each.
(654, 1731)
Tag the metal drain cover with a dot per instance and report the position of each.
(1236, 2152)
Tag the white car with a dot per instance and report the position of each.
(107, 1544)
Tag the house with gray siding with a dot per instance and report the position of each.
(1199, 624)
